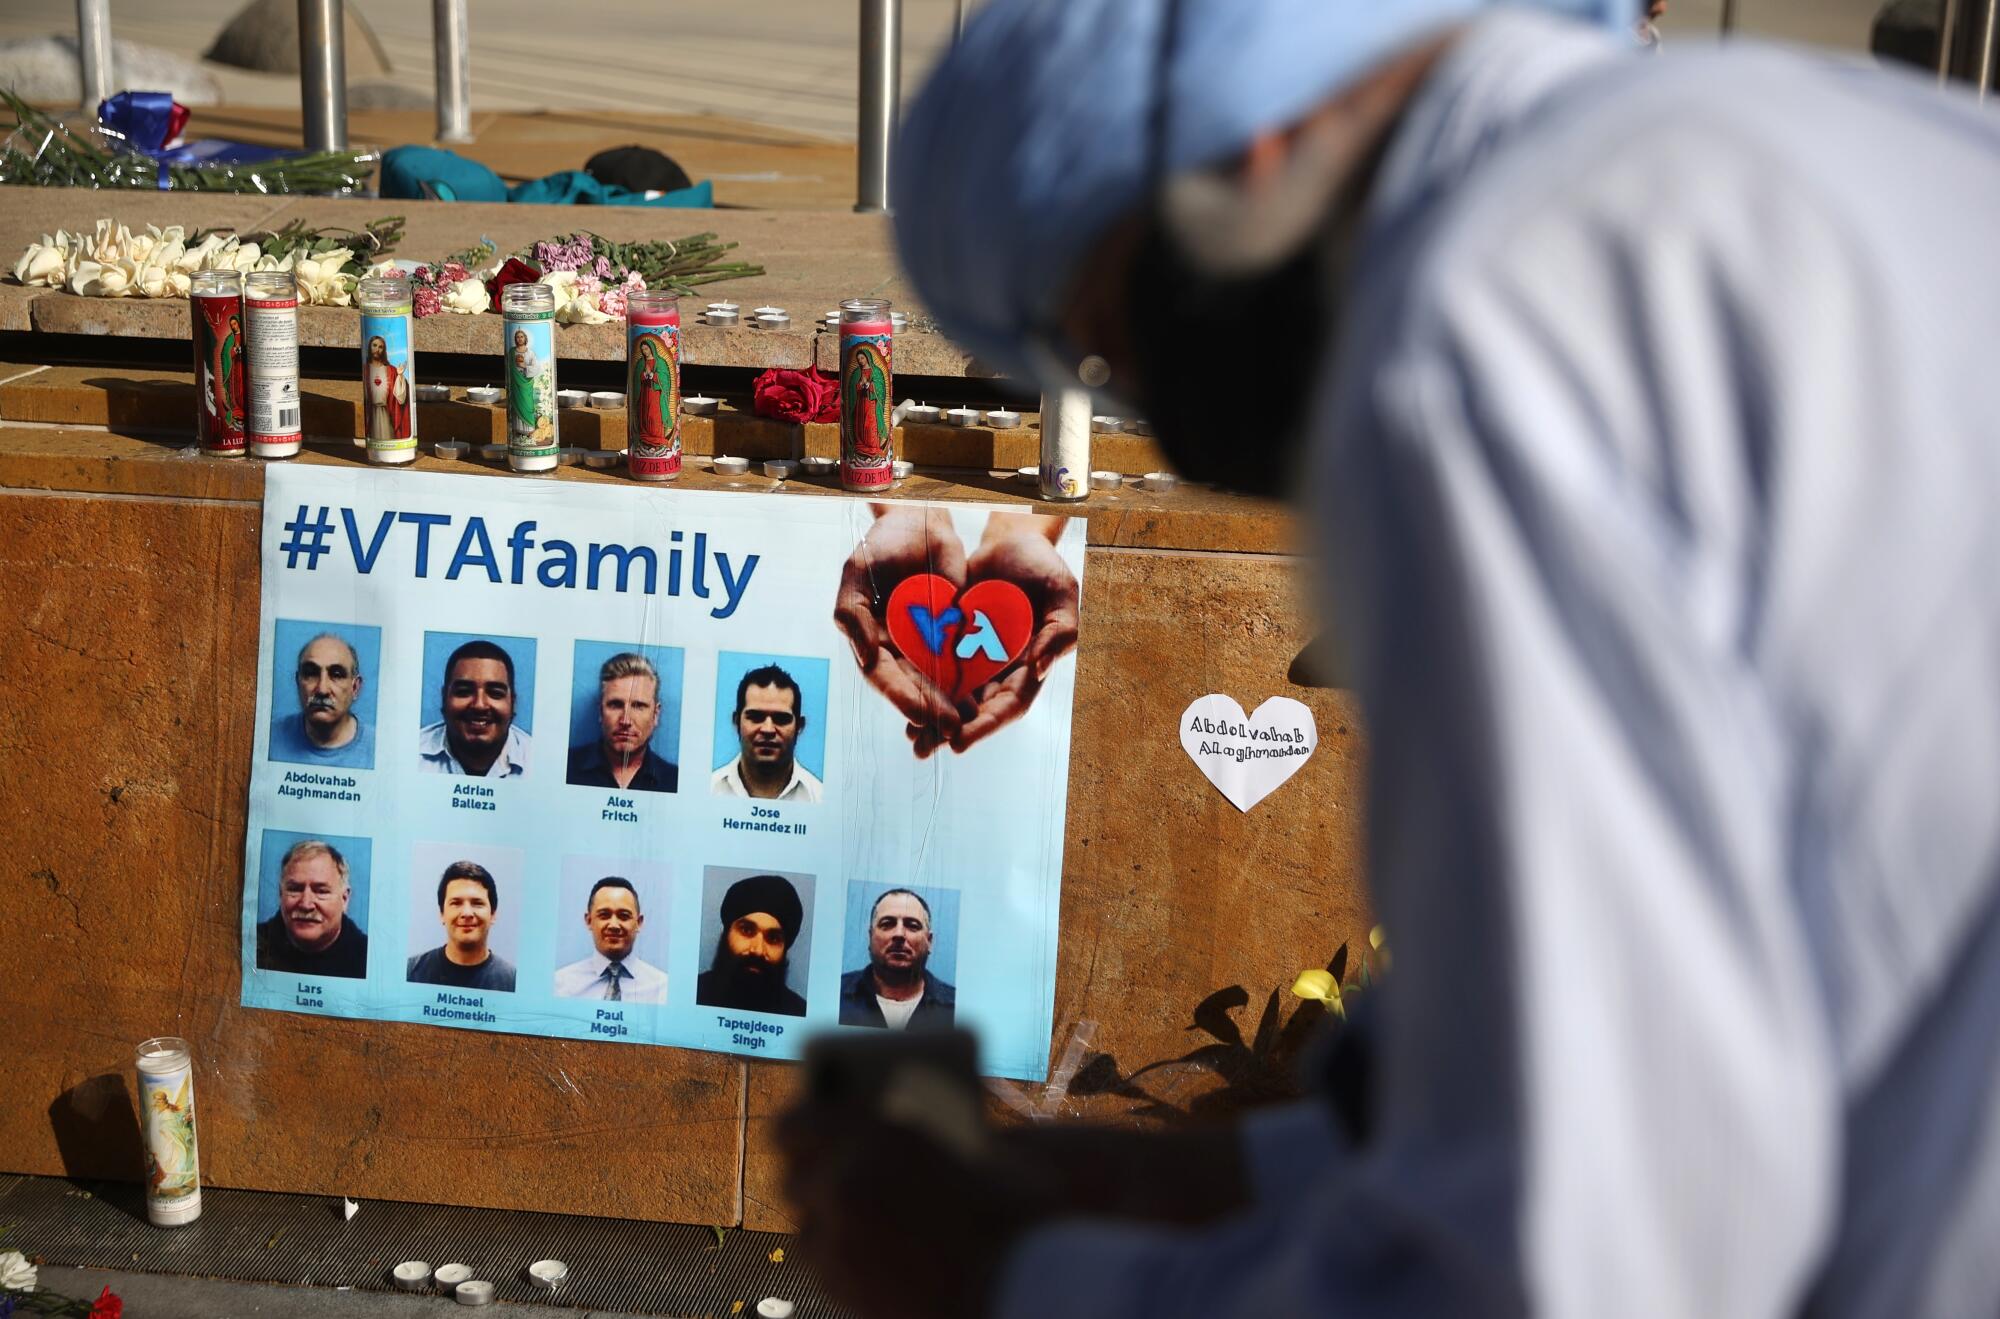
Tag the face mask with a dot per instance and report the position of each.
(1227, 364)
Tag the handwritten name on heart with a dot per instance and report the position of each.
(959, 639)
(1248, 757)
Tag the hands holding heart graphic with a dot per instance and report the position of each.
(959, 643)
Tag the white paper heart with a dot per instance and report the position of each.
(1248, 757)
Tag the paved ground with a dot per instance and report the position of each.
(788, 63)
(149, 1296)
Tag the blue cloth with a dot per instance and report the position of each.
(573, 187)
(1034, 135)
(406, 172)
(1655, 470)
(447, 176)
(289, 743)
(144, 120)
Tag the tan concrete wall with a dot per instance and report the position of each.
(128, 628)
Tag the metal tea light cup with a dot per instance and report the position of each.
(528, 361)
(166, 1122)
(215, 298)
(271, 335)
(653, 385)
(867, 386)
(388, 368)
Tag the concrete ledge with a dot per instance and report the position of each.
(96, 461)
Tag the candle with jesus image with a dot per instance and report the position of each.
(388, 368)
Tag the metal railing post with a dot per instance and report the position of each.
(452, 43)
(1986, 33)
(1728, 17)
(881, 67)
(323, 73)
(93, 52)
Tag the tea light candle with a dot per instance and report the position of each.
(433, 394)
(1158, 481)
(1004, 418)
(817, 466)
(770, 311)
(600, 459)
(725, 306)
(571, 398)
(779, 469)
(901, 468)
(412, 1275)
(921, 413)
(771, 320)
(450, 1275)
(699, 405)
(451, 451)
(474, 1293)
(1104, 425)
(730, 465)
(547, 1272)
(832, 317)
(1103, 480)
(607, 398)
(898, 319)
(492, 452)
(568, 456)
(716, 317)
(1028, 475)
(1138, 427)
(483, 394)
(961, 416)
(774, 1307)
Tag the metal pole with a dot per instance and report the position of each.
(453, 46)
(1728, 17)
(1945, 26)
(93, 52)
(323, 73)
(881, 86)
(1986, 32)
(957, 21)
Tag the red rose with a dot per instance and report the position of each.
(796, 396)
(107, 1306)
(516, 271)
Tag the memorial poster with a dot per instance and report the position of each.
(640, 766)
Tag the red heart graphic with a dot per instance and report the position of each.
(930, 620)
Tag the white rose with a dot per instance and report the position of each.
(582, 309)
(159, 279)
(110, 244)
(467, 296)
(102, 279)
(386, 266)
(41, 264)
(173, 233)
(238, 256)
(199, 256)
(16, 1274)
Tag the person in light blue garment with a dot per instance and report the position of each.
(327, 730)
(1643, 411)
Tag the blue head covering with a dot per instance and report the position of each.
(1037, 132)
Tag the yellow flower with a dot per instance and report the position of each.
(778, 1255)
(1316, 984)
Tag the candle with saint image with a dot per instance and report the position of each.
(653, 385)
(867, 379)
(216, 299)
(388, 368)
(166, 1122)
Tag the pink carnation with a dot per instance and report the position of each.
(428, 299)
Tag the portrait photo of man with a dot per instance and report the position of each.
(767, 721)
(897, 989)
(476, 733)
(330, 721)
(762, 919)
(620, 752)
(468, 903)
(612, 973)
(312, 932)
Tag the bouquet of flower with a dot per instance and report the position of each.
(44, 151)
(18, 1294)
(591, 276)
(114, 262)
